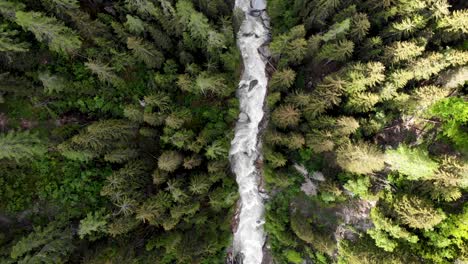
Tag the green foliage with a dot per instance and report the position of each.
(286, 116)
(415, 163)
(8, 40)
(170, 161)
(134, 24)
(359, 187)
(91, 226)
(58, 37)
(293, 256)
(359, 158)
(145, 52)
(454, 113)
(51, 244)
(418, 213)
(20, 146)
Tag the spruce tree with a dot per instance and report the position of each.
(20, 146)
(8, 40)
(418, 213)
(57, 36)
(359, 157)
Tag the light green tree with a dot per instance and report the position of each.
(8, 41)
(20, 146)
(57, 36)
(93, 226)
(418, 213)
(415, 163)
(359, 157)
(170, 161)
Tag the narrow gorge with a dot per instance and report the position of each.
(253, 36)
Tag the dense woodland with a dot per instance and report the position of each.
(116, 123)
(373, 95)
(116, 119)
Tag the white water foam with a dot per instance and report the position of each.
(249, 238)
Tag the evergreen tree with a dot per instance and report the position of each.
(359, 158)
(169, 161)
(8, 42)
(58, 37)
(415, 163)
(50, 244)
(20, 146)
(418, 213)
(339, 51)
(104, 72)
(282, 79)
(134, 24)
(455, 23)
(286, 115)
(145, 52)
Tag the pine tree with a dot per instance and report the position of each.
(193, 22)
(192, 161)
(20, 146)
(383, 240)
(360, 77)
(160, 100)
(394, 230)
(49, 244)
(339, 51)
(360, 158)
(64, 4)
(315, 13)
(286, 116)
(407, 26)
(174, 187)
(58, 37)
(8, 9)
(424, 97)
(418, 213)
(104, 72)
(361, 102)
(121, 225)
(219, 149)
(135, 25)
(53, 83)
(93, 226)
(170, 161)
(415, 163)
(145, 52)
(121, 155)
(98, 139)
(8, 41)
(455, 24)
(360, 26)
(199, 184)
(320, 141)
(177, 118)
(403, 51)
(134, 113)
(212, 83)
(282, 79)
(274, 159)
(291, 47)
(346, 125)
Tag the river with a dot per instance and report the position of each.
(253, 35)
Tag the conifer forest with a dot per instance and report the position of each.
(233, 131)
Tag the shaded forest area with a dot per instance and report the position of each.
(116, 121)
(366, 152)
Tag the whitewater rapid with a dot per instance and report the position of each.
(253, 35)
